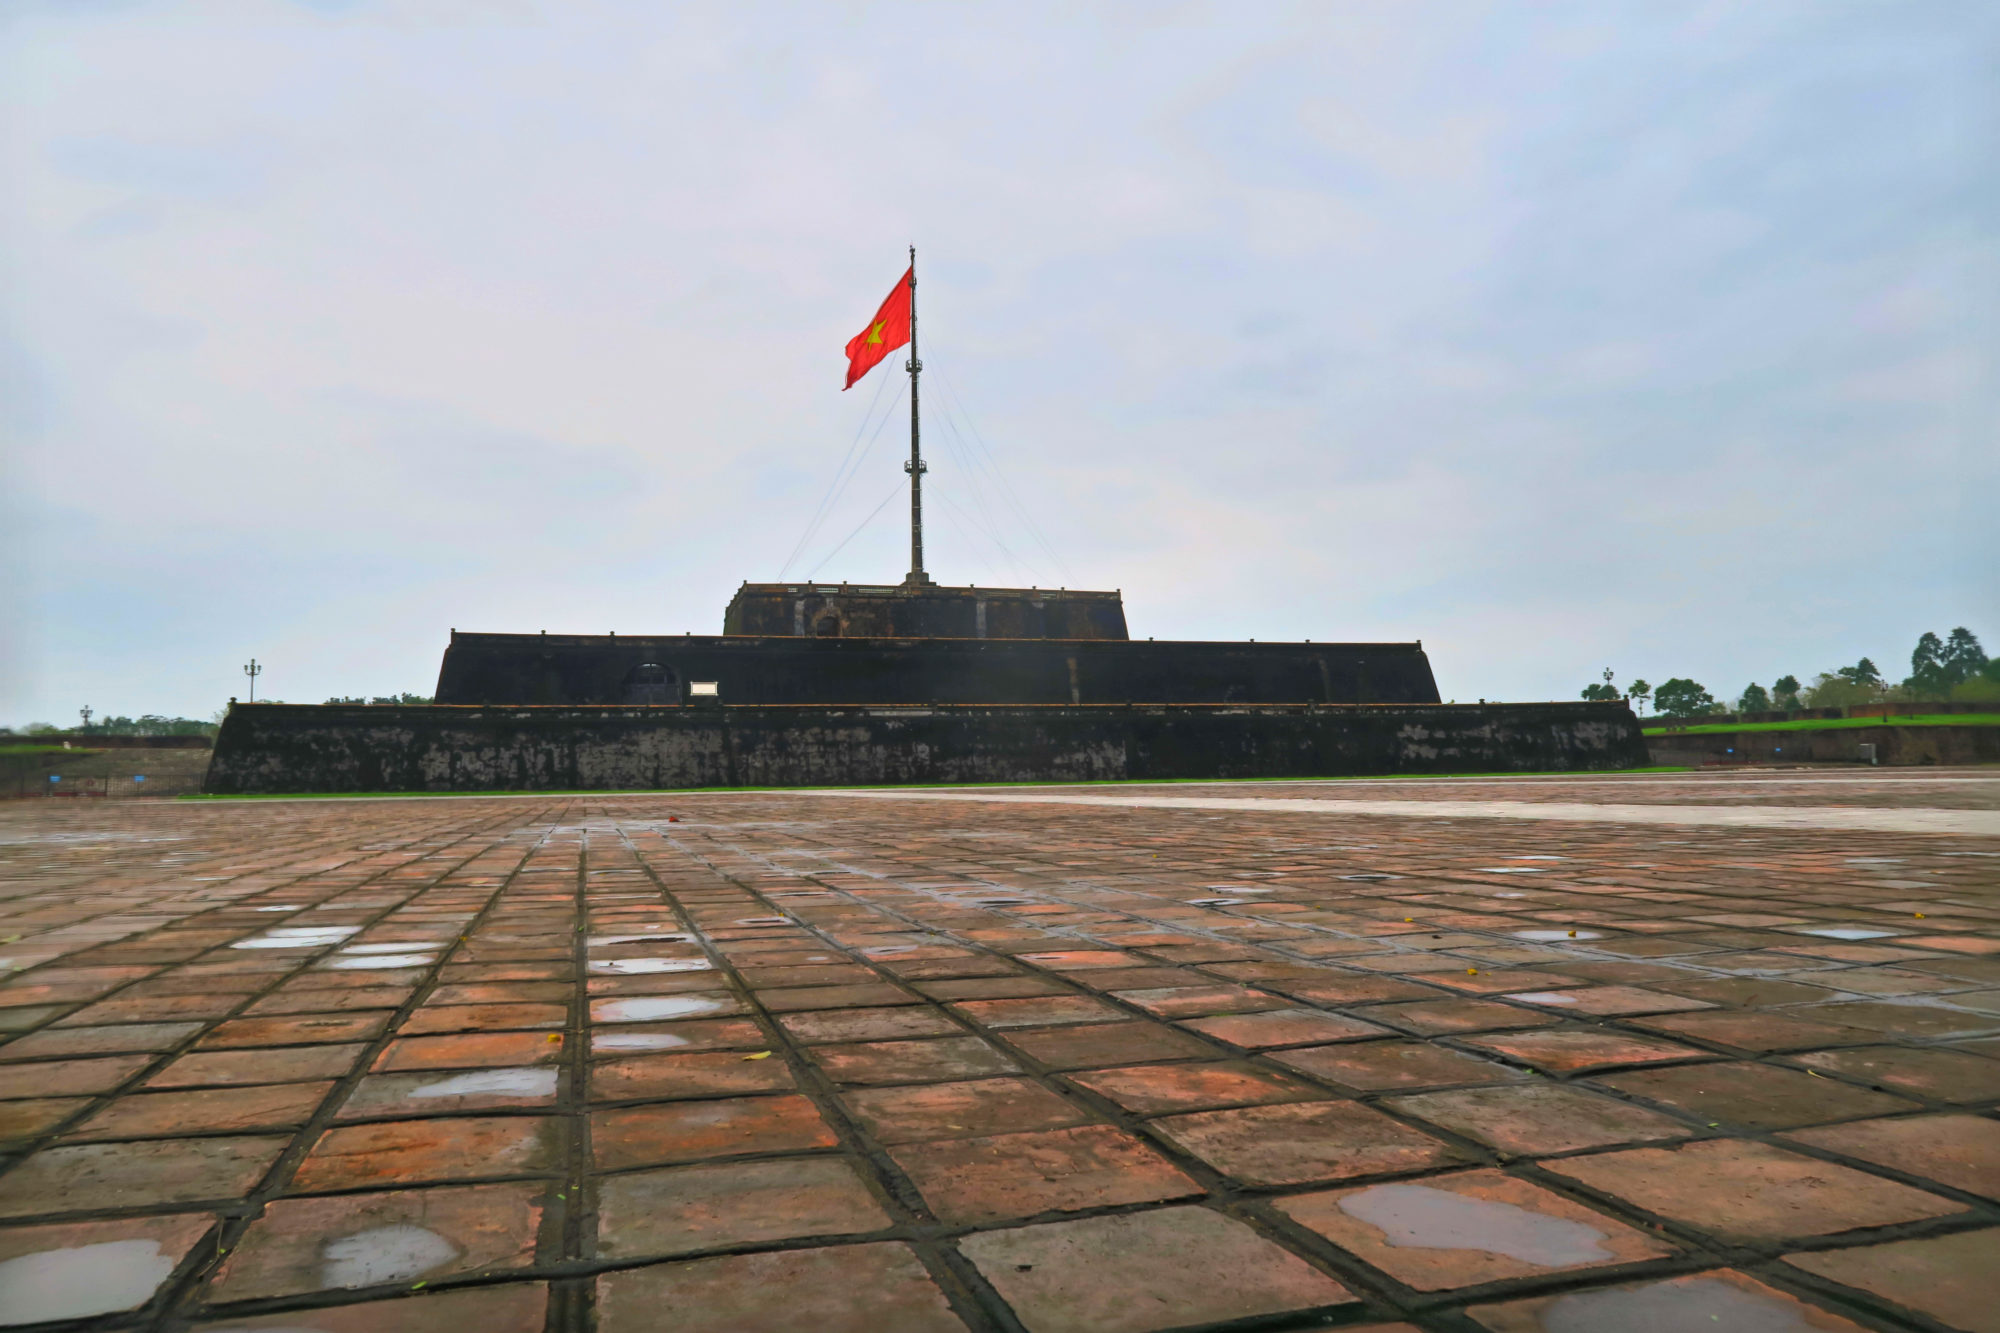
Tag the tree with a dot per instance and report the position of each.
(1863, 672)
(1927, 675)
(1600, 693)
(1639, 692)
(1754, 699)
(1785, 693)
(1963, 658)
(1683, 698)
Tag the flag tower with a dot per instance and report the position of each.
(915, 467)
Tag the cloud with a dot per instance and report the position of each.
(1656, 337)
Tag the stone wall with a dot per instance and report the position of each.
(922, 611)
(269, 748)
(622, 669)
(1895, 746)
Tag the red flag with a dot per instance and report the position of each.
(886, 332)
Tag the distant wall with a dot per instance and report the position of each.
(114, 771)
(269, 748)
(1896, 746)
(620, 669)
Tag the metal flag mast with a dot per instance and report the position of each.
(915, 467)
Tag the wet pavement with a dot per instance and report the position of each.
(1267, 1055)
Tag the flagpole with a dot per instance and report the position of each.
(915, 467)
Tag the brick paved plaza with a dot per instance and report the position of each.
(1656, 1053)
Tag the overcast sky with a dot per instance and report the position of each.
(1655, 336)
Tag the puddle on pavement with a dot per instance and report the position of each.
(635, 1041)
(380, 962)
(1847, 933)
(1419, 1217)
(86, 1280)
(1542, 997)
(1558, 935)
(297, 937)
(1702, 1305)
(383, 1254)
(632, 967)
(508, 1082)
(661, 937)
(643, 1008)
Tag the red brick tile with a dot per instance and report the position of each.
(1754, 1096)
(129, 1008)
(409, 1152)
(990, 988)
(1039, 1011)
(1953, 1279)
(700, 1074)
(1092, 1044)
(1753, 1030)
(1962, 1151)
(1935, 1072)
(839, 1289)
(1719, 1300)
(329, 1001)
(1607, 1001)
(93, 1268)
(942, 1060)
(517, 1307)
(691, 1131)
(1539, 1118)
(86, 1177)
(438, 1018)
(30, 1119)
(502, 992)
(444, 1092)
(1165, 1089)
(362, 1240)
(298, 1030)
(972, 1181)
(1283, 1027)
(794, 999)
(1430, 1018)
(664, 1008)
(1170, 1267)
(1303, 1142)
(682, 1210)
(207, 1111)
(64, 1078)
(619, 1040)
(1573, 1050)
(1379, 1066)
(1199, 1001)
(914, 1113)
(246, 1068)
(868, 1024)
(1468, 1228)
(472, 1050)
(1749, 1191)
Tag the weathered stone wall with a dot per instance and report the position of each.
(1894, 746)
(334, 748)
(922, 611)
(622, 669)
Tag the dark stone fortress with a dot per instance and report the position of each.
(842, 645)
(813, 683)
(836, 683)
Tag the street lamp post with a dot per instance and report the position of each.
(84, 713)
(253, 671)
